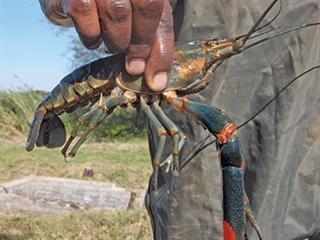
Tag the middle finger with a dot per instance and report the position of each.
(145, 19)
(115, 19)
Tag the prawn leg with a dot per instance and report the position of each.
(177, 136)
(81, 121)
(162, 139)
(97, 115)
(235, 202)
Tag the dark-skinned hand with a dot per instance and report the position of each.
(141, 28)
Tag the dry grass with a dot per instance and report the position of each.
(132, 225)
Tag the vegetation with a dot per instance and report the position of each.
(16, 112)
(130, 225)
(125, 163)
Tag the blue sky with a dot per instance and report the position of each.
(30, 52)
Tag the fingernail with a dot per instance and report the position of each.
(135, 66)
(159, 81)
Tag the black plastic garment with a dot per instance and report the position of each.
(281, 145)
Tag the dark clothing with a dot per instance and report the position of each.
(281, 145)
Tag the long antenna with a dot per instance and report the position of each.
(280, 34)
(253, 29)
(203, 146)
(276, 96)
(265, 25)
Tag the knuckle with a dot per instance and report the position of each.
(77, 7)
(118, 10)
(117, 46)
(150, 8)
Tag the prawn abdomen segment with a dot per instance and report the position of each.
(95, 76)
(77, 89)
(81, 85)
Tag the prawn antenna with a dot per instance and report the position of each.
(263, 26)
(254, 28)
(204, 142)
(278, 35)
(276, 96)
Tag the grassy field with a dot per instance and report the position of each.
(126, 164)
(130, 225)
(123, 161)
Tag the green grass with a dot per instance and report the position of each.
(124, 160)
(125, 164)
(16, 111)
(129, 225)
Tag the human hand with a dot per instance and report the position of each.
(141, 28)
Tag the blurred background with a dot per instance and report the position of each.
(34, 56)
